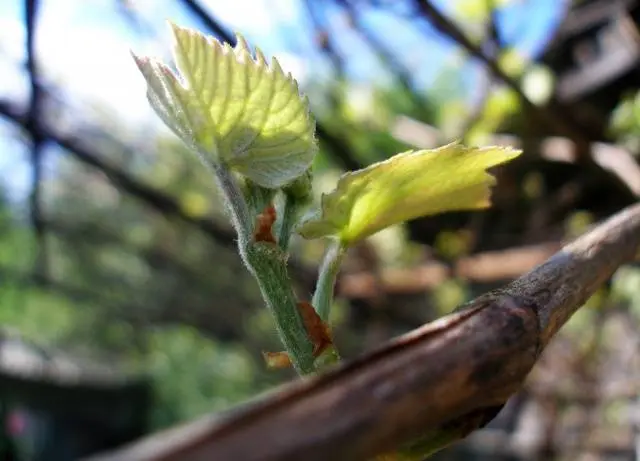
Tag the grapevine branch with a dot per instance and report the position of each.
(445, 379)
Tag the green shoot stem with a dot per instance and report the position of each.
(323, 296)
(234, 201)
(267, 263)
(289, 214)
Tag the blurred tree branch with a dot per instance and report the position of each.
(211, 322)
(564, 123)
(32, 125)
(195, 8)
(325, 39)
(99, 235)
(493, 47)
(157, 199)
(401, 74)
(13, 275)
(491, 266)
(444, 379)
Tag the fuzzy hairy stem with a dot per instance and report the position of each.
(323, 296)
(288, 218)
(268, 264)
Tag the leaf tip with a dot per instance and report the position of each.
(275, 66)
(241, 43)
(139, 60)
(260, 58)
(174, 28)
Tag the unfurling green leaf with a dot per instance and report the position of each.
(301, 188)
(404, 187)
(232, 108)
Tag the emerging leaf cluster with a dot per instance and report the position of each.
(250, 116)
(242, 115)
(232, 108)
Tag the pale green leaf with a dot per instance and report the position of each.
(404, 187)
(232, 107)
(477, 11)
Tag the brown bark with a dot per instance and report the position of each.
(492, 266)
(449, 377)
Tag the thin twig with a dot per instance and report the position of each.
(325, 39)
(445, 379)
(156, 198)
(37, 141)
(493, 47)
(401, 73)
(564, 124)
(208, 21)
(490, 266)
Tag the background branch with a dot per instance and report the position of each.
(563, 124)
(493, 47)
(32, 124)
(490, 266)
(157, 199)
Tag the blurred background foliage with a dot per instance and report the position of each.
(118, 265)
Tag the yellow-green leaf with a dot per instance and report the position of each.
(233, 108)
(404, 187)
(477, 10)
